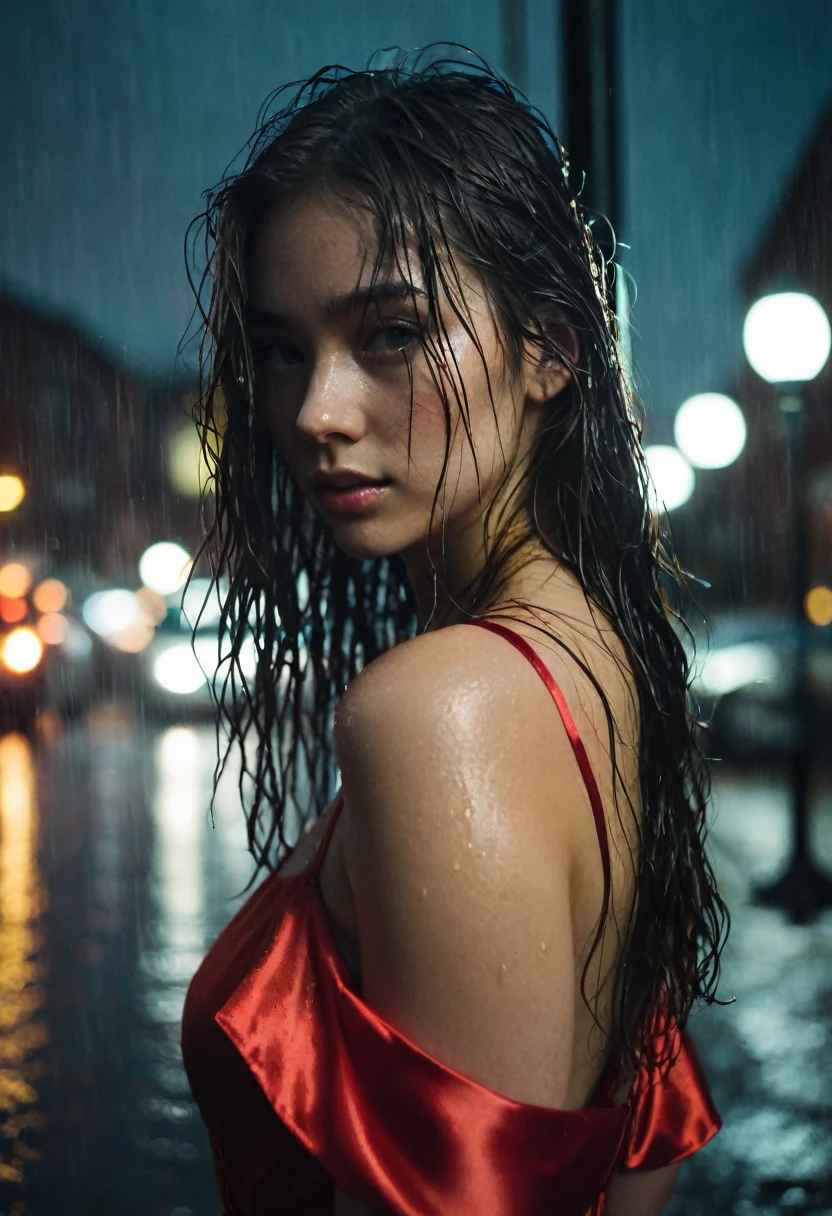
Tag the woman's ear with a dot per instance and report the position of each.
(546, 373)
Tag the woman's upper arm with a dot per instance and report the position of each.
(640, 1192)
(458, 867)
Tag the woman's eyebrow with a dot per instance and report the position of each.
(361, 298)
(375, 293)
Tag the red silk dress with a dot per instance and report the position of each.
(304, 1087)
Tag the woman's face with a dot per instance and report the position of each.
(334, 380)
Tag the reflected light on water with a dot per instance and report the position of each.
(22, 1030)
(180, 812)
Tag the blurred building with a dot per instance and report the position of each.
(72, 432)
(734, 534)
(183, 471)
(796, 253)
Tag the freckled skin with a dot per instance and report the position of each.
(335, 394)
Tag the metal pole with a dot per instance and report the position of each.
(591, 97)
(592, 107)
(792, 415)
(803, 890)
(514, 41)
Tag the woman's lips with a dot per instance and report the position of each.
(351, 499)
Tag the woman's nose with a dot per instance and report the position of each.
(333, 402)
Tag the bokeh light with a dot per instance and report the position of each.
(109, 612)
(818, 605)
(21, 650)
(202, 602)
(671, 478)
(52, 628)
(710, 430)
(787, 338)
(187, 467)
(133, 638)
(164, 567)
(12, 492)
(50, 596)
(177, 670)
(118, 616)
(721, 671)
(13, 611)
(15, 579)
(153, 607)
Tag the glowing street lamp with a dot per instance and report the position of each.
(787, 337)
(164, 567)
(787, 341)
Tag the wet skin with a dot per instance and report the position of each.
(335, 387)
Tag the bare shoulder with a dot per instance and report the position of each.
(430, 661)
(443, 696)
(460, 871)
(469, 702)
(466, 690)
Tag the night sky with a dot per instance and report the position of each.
(117, 115)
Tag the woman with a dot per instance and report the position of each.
(466, 988)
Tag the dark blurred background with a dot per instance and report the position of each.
(706, 132)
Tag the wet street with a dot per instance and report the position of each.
(113, 883)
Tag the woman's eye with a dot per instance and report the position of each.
(392, 338)
(280, 355)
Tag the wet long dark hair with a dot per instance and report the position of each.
(452, 162)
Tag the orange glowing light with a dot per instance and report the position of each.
(22, 650)
(818, 605)
(52, 628)
(12, 492)
(50, 596)
(15, 580)
(12, 611)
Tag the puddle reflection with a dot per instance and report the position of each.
(23, 1031)
(179, 811)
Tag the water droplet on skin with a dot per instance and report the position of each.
(543, 947)
(470, 844)
(468, 813)
(483, 852)
(424, 892)
(456, 865)
(502, 975)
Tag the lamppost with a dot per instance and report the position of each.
(787, 341)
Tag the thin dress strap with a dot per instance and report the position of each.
(574, 738)
(317, 861)
(577, 747)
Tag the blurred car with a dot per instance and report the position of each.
(178, 668)
(743, 688)
(44, 648)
